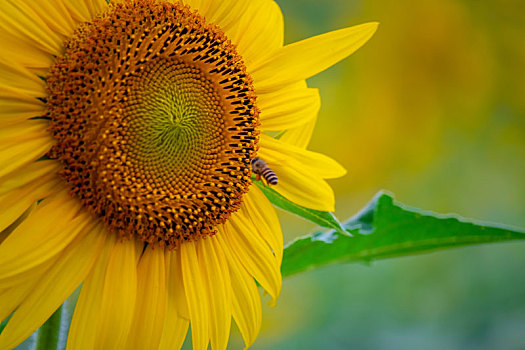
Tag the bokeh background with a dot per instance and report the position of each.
(432, 109)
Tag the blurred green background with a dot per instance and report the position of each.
(432, 109)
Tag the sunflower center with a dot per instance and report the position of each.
(176, 130)
(155, 121)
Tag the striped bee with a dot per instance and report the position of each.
(261, 169)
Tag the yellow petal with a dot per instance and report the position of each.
(25, 53)
(54, 287)
(258, 31)
(175, 330)
(17, 104)
(310, 162)
(44, 234)
(11, 95)
(27, 130)
(253, 253)
(262, 214)
(85, 10)
(28, 276)
(306, 58)
(224, 14)
(119, 293)
(27, 174)
(23, 147)
(12, 296)
(14, 202)
(9, 229)
(150, 307)
(56, 16)
(83, 330)
(19, 20)
(288, 108)
(218, 286)
(246, 301)
(301, 135)
(195, 295)
(255, 26)
(14, 75)
(16, 110)
(175, 327)
(177, 286)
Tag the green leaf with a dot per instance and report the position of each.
(386, 229)
(321, 218)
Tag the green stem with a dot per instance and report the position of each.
(48, 335)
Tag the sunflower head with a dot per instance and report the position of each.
(155, 121)
(145, 129)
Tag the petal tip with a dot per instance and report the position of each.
(367, 29)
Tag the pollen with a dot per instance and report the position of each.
(155, 121)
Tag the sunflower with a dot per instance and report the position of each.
(127, 136)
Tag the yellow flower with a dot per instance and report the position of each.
(127, 133)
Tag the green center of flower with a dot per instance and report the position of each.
(177, 126)
(155, 121)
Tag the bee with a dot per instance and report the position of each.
(261, 169)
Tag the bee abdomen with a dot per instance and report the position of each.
(269, 176)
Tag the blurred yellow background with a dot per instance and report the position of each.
(432, 109)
